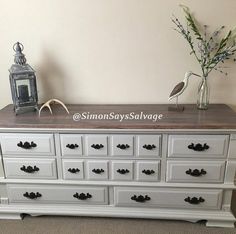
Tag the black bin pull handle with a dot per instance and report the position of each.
(148, 172)
(149, 147)
(198, 147)
(82, 196)
(123, 146)
(29, 169)
(98, 171)
(194, 200)
(97, 146)
(72, 146)
(196, 172)
(27, 145)
(140, 198)
(123, 171)
(32, 195)
(74, 170)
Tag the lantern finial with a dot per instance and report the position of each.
(19, 56)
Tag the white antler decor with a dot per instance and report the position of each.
(52, 101)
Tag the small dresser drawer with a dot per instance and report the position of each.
(17, 168)
(97, 170)
(198, 146)
(148, 170)
(27, 144)
(122, 145)
(71, 145)
(96, 145)
(173, 198)
(122, 170)
(73, 169)
(195, 171)
(57, 194)
(148, 145)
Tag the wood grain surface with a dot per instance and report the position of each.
(218, 116)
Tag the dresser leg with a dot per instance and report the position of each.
(226, 224)
(10, 216)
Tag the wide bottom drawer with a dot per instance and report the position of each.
(57, 194)
(169, 198)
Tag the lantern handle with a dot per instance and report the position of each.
(19, 44)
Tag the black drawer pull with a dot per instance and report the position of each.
(194, 200)
(123, 171)
(198, 147)
(82, 196)
(149, 147)
(26, 145)
(98, 171)
(29, 169)
(72, 146)
(32, 195)
(123, 146)
(148, 172)
(140, 198)
(196, 172)
(74, 170)
(97, 146)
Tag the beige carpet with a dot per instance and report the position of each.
(87, 225)
(84, 225)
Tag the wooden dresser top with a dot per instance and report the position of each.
(218, 116)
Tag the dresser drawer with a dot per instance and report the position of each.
(73, 169)
(71, 145)
(172, 198)
(122, 145)
(148, 145)
(97, 170)
(96, 145)
(57, 194)
(27, 144)
(148, 170)
(198, 146)
(17, 168)
(122, 170)
(195, 171)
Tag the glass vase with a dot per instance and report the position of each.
(203, 94)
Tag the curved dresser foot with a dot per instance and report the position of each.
(10, 216)
(217, 223)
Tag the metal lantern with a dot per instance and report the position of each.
(23, 83)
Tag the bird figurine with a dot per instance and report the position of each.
(179, 89)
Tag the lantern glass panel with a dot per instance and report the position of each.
(23, 90)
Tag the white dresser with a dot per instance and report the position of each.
(180, 167)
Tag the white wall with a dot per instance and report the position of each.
(109, 51)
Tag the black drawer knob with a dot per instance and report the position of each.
(149, 147)
(123, 171)
(198, 147)
(194, 200)
(98, 171)
(196, 172)
(29, 169)
(82, 196)
(26, 145)
(32, 195)
(140, 198)
(123, 146)
(72, 146)
(97, 146)
(74, 170)
(148, 172)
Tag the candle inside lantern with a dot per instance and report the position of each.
(23, 93)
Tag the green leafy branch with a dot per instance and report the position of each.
(208, 52)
